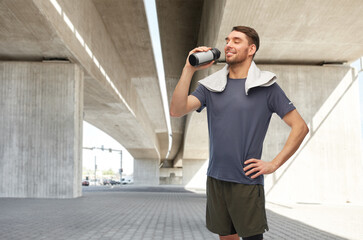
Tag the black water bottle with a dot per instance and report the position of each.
(200, 58)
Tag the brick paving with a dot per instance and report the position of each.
(127, 212)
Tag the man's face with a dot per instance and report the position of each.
(237, 48)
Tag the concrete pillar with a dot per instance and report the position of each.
(195, 173)
(41, 130)
(146, 171)
(170, 176)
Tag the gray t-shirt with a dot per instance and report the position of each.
(237, 125)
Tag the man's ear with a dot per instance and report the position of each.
(252, 49)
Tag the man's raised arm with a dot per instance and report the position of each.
(182, 103)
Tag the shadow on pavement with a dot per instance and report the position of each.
(282, 227)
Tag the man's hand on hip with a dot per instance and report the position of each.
(258, 167)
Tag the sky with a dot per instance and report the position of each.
(152, 19)
(94, 137)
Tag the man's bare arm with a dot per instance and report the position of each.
(181, 102)
(298, 132)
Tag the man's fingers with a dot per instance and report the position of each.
(203, 48)
(254, 165)
(199, 49)
(258, 167)
(249, 167)
(252, 160)
(255, 169)
(257, 174)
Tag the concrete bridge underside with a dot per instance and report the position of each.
(67, 61)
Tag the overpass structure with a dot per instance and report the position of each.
(65, 61)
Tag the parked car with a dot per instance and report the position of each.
(114, 182)
(126, 181)
(85, 183)
(106, 182)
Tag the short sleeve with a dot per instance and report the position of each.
(278, 102)
(200, 93)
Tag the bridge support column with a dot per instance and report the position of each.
(146, 171)
(41, 130)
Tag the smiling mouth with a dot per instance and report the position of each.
(228, 54)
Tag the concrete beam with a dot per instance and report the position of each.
(26, 35)
(298, 32)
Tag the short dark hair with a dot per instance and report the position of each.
(252, 35)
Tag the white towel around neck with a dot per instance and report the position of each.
(255, 78)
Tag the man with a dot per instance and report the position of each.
(240, 100)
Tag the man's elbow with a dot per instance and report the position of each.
(174, 114)
(172, 110)
(304, 129)
(300, 128)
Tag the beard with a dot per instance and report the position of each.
(238, 58)
(235, 61)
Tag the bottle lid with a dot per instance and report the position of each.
(216, 52)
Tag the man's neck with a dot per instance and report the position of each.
(239, 71)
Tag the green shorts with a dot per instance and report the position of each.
(235, 208)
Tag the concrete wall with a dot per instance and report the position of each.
(194, 173)
(328, 165)
(41, 130)
(146, 171)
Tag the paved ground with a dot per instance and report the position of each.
(131, 212)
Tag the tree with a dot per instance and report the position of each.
(108, 172)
